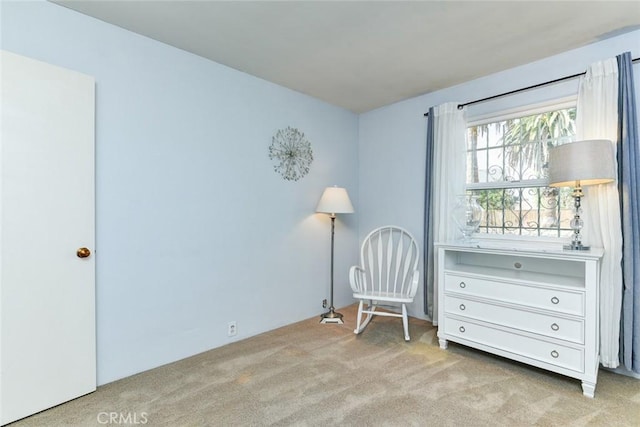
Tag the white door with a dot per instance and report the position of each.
(47, 285)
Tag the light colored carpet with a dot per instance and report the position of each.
(310, 374)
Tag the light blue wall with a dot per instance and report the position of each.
(392, 138)
(194, 228)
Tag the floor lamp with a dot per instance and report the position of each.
(578, 164)
(334, 200)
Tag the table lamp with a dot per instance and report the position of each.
(579, 164)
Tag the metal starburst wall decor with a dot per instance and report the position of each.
(291, 152)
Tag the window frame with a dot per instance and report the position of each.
(513, 240)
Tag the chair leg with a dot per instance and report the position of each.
(405, 323)
(360, 325)
(357, 330)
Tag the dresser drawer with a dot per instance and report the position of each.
(563, 301)
(551, 326)
(554, 354)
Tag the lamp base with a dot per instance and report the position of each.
(331, 317)
(576, 247)
(576, 222)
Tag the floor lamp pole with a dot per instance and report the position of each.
(331, 316)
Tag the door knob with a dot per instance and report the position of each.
(83, 253)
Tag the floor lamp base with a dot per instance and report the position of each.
(331, 317)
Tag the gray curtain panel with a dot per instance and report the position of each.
(629, 187)
(428, 251)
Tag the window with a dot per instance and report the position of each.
(507, 170)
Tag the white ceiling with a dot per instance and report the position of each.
(361, 55)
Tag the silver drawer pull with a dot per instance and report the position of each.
(555, 354)
(555, 300)
(463, 285)
(461, 329)
(462, 307)
(555, 326)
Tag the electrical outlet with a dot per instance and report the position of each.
(324, 303)
(232, 328)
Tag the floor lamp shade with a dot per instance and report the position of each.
(334, 200)
(579, 164)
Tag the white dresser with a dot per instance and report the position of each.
(536, 307)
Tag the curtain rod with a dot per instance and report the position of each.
(477, 101)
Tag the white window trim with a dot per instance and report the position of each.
(540, 182)
(528, 110)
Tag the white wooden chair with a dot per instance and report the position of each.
(388, 275)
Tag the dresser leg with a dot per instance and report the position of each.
(443, 343)
(588, 388)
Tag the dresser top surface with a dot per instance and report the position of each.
(511, 248)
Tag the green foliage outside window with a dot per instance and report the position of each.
(495, 199)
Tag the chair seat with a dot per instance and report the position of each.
(384, 296)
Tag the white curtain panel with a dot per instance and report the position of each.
(597, 118)
(449, 172)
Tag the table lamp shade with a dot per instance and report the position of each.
(334, 200)
(590, 162)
